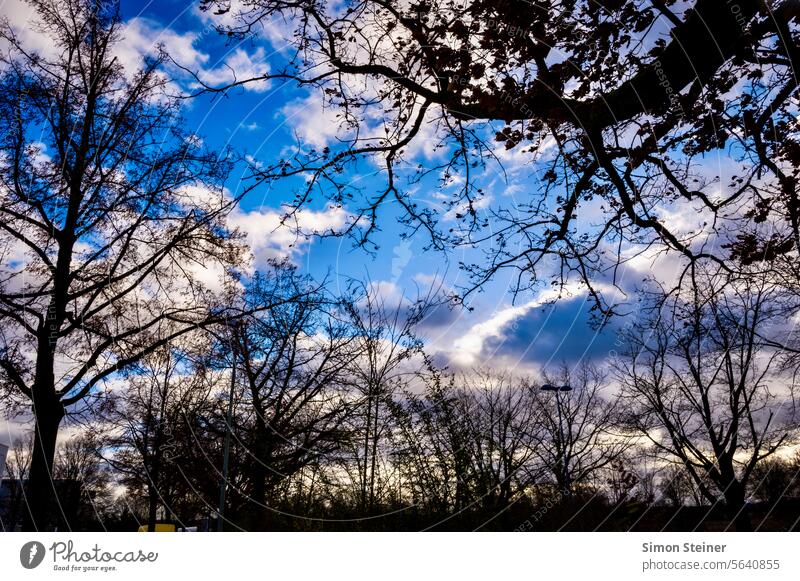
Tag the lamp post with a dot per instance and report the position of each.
(565, 459)
(231, 327)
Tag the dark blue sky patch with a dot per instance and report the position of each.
(554, 333)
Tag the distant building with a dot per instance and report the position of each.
(11, 504)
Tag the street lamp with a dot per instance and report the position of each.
(558, 389)
(548, 387)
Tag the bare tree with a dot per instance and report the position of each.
(466, 446)
(80, 476)
(431, 447)
(704, 384)
(576, 432)
(83, 479)
(147, 423)
(295, 362)
(676, 486)
(496, 409)
(777, 478)
(390, 354)
(109, 207)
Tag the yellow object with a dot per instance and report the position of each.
(160, 528)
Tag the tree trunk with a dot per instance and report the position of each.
(152, 495)
(258, 519)
(374, 457)
(259, 516)
(365, 471)
(41, 497)
(736, 507)
(154, 486)
(48, 411)
(17, 500)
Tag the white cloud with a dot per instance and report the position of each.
(388, 293)
(13, 430)
(142, 37)
(425, 145)
(23, 19)
(269, 237)
(267, 234)
(238, 66)
(314, 124)
(276, 30)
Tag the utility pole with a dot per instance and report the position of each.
(228, 429)
(3, 452)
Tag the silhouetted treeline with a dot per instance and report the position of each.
(334, 418)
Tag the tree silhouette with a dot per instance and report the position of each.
(576, 433)
(105, 207)
(294, 365)
(699, 378)
(619, 105)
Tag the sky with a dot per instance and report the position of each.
(263, 120)
(524, 333)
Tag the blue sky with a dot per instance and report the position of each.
(264, 120)
(523, 333)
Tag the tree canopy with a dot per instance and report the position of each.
(654, 126)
